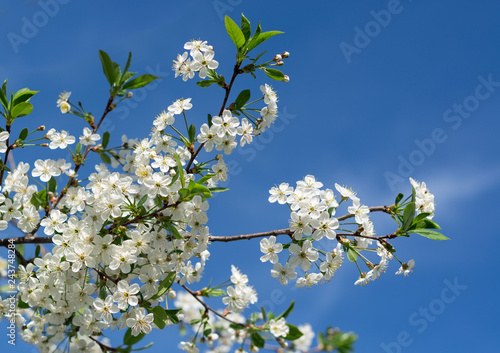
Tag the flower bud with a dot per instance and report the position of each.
(286, 78)
(285, 55)
(277, 58)
(45, 145)
(129, 94)
(171, 295)
(41, 128)
(280, 63)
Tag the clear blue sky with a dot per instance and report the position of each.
(364, 100)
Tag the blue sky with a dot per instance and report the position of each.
(368, 105)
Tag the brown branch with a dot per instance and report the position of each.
(236, 71)
(104, 347)
(287, 231)
(196, 294)
(7, 128)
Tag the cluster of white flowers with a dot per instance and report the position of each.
(313, 219)
(269, 113)
(98, 269)
(241, 295)
(224, 129)
(201, 60)
(424, 200)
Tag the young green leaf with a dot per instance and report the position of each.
(52, 184)
(142, 200)
(165, 284)
(261, 38)
(105, 140)
(3, 96)
(274, 74)
(408, 215)
(23, 95)
(398, 198)
(23, 134)
(234, 32)
(258, 340)
(105, 158)
(160, 316)
(107, 67)
(172, 315)
(287, 311)
(218, 189)
(127, 65)
(22, 109)
(293, 333)
(130, 340)
(431, 234)
(140, 81)
(78, 148)
(180, 171)
(242, 98)
(192, 133)
(352, 255)
(245, 27)
(207, 83)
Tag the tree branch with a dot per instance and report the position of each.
(196, 294)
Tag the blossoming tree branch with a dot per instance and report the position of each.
(128, 225)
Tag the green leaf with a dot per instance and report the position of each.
(127, 76)
(160, 316)
(105, 140)
(352, 255)
(78, 148)
(130, 340)
(287, 311)
(218, 189)
(52, 184)
(209, 120)
(172, 314)
(108, 67)
(242, 98)
(142, 200)
(408, 215)
(174, 231)
(23, 134)
(23, 95)
(22, 305)
(246, 28)
(22, 109)
(398, 198)
(164, 285)
(261, 38)
(180, 171)
(294, 333)
(258, 340)
(431, 234)
(207, 83)
(127, 65)
(140, 81)
(105, 158)
(158, 201)
(192, 133)
(3, 96)
(234, 32)
(205, 178)
(274, 74)
(37, 250)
